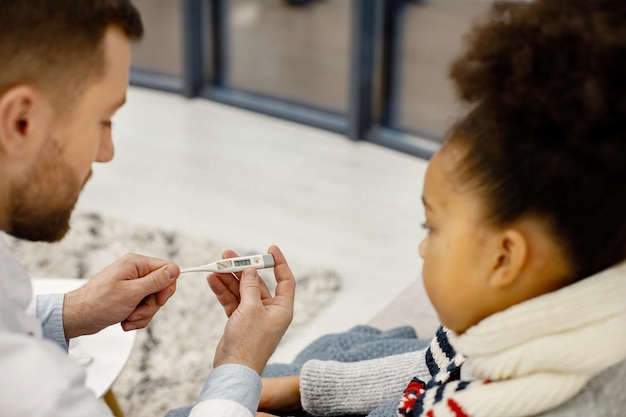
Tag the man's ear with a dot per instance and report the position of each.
(24, 115)
(509, 261)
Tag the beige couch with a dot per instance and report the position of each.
(411, 307)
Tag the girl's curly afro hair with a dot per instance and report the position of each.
(545, 134)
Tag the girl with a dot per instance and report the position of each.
(526, 212)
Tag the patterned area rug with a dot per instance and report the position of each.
(173, 356)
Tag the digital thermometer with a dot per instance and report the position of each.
(235, 264)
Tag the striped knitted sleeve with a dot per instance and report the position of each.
(337, 388)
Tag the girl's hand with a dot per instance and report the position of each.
(281, 394)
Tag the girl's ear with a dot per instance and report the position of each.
(512, 253)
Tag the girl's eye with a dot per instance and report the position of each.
(425, 227)
(107, 123)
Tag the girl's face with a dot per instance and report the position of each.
(457, 250)
(473, 269)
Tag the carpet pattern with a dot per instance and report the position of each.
(174, 354)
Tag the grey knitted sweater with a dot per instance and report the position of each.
(353, 385)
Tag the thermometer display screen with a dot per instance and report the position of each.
(243, 262)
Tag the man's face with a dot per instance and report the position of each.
(43, 199)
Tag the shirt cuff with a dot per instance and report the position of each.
(49, 312)
(233, 382)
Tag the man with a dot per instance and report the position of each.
(63, 73)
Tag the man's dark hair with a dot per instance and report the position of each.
(57, 44)
(546, 133)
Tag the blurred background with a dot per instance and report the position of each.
(302, 123)
(372, 70)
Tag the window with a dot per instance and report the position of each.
(372, 69)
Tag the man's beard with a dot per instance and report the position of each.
(43, 201)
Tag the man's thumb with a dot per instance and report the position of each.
(158, 279)
(249, 285)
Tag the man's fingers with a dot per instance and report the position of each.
(141, 316)
(164, 295)
(229, 254)
(224, 282)
(157, 280)
(286, 283)
(250, 286)
(227, 293)
(265, 292)
(143, 264)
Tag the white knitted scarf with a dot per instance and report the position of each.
(529, 358)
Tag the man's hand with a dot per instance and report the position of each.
(257, 320)
(129, 291)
